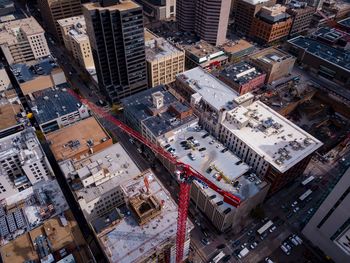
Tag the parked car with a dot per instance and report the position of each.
(297, 238)
(294, 203)
(236, 243)
(285, 250)
(295, 210)
(205, 241)
(273, 228)
(221, 246)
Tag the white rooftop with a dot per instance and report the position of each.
(279, 141)
(100, 172)
(212, 90)
(158, 48)
(255, 2)
(127, 241)
(229, 165)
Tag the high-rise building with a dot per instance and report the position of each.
(246, 11)
(185, 14)
(23, 40)
(329, 227)
(54, 10)
(159, 9)
(76, 40)
(209, 19)
(118, 47)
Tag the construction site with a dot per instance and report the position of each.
(144, 229)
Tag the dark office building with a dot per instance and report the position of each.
(117, 43)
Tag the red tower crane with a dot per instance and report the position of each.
(184, 172)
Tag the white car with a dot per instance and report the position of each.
(297, 238)
(295, 210)
(285, 250)
(294, 203)
(273, 228)
(294, 241)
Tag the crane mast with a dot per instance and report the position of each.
(185, 175)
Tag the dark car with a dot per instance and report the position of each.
(236, 243)
(205, 135)
(183, 142)
(202, 149)
(251, 239)
(226, 258)
(167, 146)
(222, 246)
(237, 251)
(190, 138)
(224, 150)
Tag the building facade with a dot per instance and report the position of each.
(209, 19)
(302, 15)
(164, 60)
(159, 10)
(22, 163)
(23, 40)
(76, 40)
(120, 60)
(246, 11)
(329, 227)
(271, 24)
(275, 62)
(54, 10)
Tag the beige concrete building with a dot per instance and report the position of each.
(275, 62)
(54, 10)
(76, 40)
(5, 82)
(23, 40)
(164, 61)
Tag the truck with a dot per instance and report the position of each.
(243, 252)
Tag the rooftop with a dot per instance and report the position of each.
(158, 48)
(328, 34)
(273, 14)
(27, 26)
(271, 55)
(52, 103)
(337, 57)
(241, 73)
(76, 26)
(202, 51)
(158, 120)
(10, 115)
(345, 22)
(255, 2)
(122, 6)
(31, 70)
(77, 139)
(30, 208)
(222, 168)
(233, 47)
(209, 88)
(100, 172)
(126, 240)
(26, 247)
(279, 141)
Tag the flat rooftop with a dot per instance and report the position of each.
(160, 121)
(28, 26)
(241, 73)
(202, 52)
(328, 34)
(255, 2)
(159, 48)
(278, 140)
(230, 166)
(345, 22)
(125, 240)
(52, 103)
(213, 91)
(10, 115)
(122, 6)
(114, 161)
(76, 139)
(271, 55)
(237, 46)
(273, 14)
(28, 71)
(30, 208)
(332, 55)
(23, 248)
(69, 21)
(149, 35)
